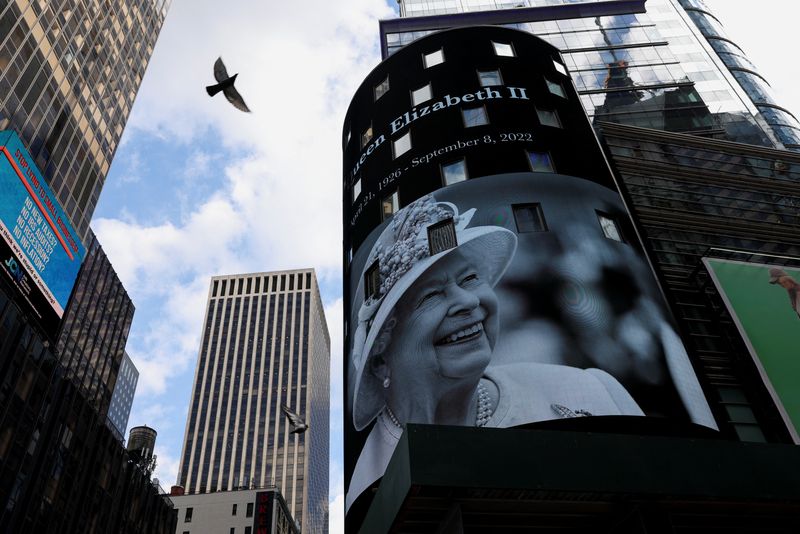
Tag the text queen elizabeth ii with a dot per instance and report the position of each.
(426, 335)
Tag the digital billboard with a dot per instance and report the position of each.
(764, 302)
(40, 251)
(493, 277)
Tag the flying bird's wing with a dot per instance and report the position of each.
(794, 298)
(235, 98)
(294, 419)
(220, 72)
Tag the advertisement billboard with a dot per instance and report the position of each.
(40, 251)
(764, 302)
(493, 275)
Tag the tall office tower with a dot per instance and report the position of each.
(69, 72)
(663, 64)
(122, 398)
(265, 344)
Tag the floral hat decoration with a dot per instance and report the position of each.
(417, 237)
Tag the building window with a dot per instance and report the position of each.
(454, 172)
(556, 88)
(233, 530)
(372, 280)
(433, 59)
(560, 67)
(503, 49)
(382, 88)
(610, 227)
(390, 205)
(233, 511)
(474, 116)
(442, 236)
(249, 512)
(366, 136)
(529, 218)
(356, 189)
(548, 117)
(401, 145)
(248, 530)
(423, 94)
(540, 161)
(488, 78)
(187, 518)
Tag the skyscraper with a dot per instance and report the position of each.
(122, 398)
(69, 72)
(486, 238)
(663, 64)
(265, 344)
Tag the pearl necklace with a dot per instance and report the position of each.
(484, 411)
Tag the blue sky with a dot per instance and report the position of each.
(198, 188)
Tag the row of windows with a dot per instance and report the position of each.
(456, 171)
(471, 117)
(294, 281)
(436, 57)
(528, 218)
(486, 78)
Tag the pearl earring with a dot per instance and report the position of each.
(386, 382)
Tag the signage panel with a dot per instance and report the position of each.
(493, 275)
(41, 252)
(764, 302)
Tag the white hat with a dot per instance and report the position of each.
(403, 255)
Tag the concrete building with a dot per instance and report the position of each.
(265, 344)
(236, 512)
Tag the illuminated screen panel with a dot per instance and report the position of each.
(764, 302)
(41, 252)
(493, 275)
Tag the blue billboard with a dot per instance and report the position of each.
(40, 251)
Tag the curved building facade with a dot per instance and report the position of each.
(492, 274)
(661, 64)
(780, 120)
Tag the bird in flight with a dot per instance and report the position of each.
(225, 84)
(298, 425)
(781, 278)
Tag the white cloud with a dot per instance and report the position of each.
(279, 206)
(197, 164)
(166, 467)
(336, 515)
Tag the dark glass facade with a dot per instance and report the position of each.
(61, 468)
(694, 198)
(664, 64)
(265, 344)
(69, 73)
(94, 331)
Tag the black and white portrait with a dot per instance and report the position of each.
(506, 301)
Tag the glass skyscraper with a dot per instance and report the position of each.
(122, 398)
(663, 64)
(69, 72)
(265, 344)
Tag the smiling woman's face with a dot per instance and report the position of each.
(447, 324)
